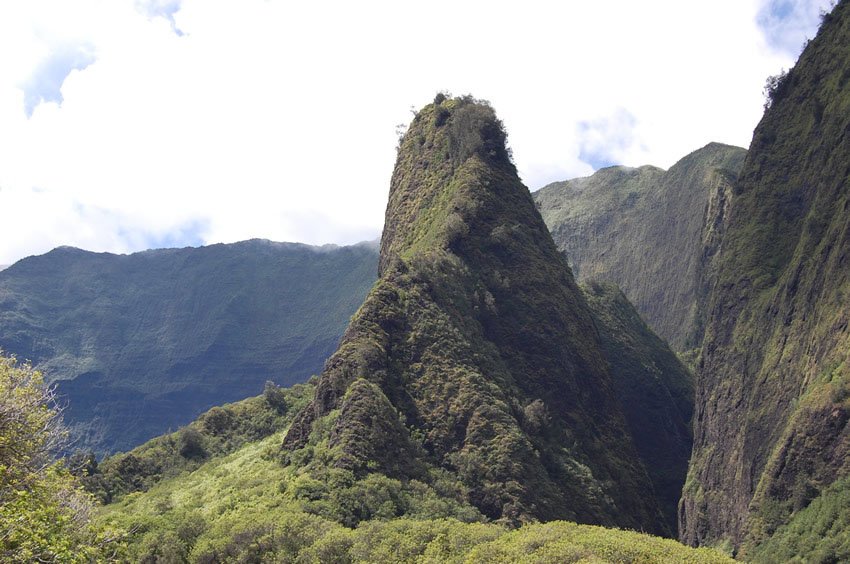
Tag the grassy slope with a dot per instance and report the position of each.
(772, 393)
(651, 232)
(145, 342)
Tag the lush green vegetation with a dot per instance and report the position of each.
(819, 533)
(44, 515)
(775, 365)
(143, 343)
(219, 431)
(247, 507)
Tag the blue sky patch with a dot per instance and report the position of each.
(45, 83)
(190, 234)
(787, 24)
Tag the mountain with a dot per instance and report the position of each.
(769, 472)
(477, 354)
(652, 232)
(142, 343)
(477, 388)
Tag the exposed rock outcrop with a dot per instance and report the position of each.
(478, 336)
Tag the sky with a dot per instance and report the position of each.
(127, 125)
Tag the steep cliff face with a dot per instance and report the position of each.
(654, 388)
(137, 344)
(652, 232)
(771, 431)
(479, 339)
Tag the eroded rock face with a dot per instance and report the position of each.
(772, 384)
(479, 338)
(652, 232)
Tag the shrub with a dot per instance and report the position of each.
(775, 88)
(275, 397)
(217, 420)
(191, 444)
(536, 416)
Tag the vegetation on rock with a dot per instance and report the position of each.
(475, 353)
(655, 390)
(771, 433)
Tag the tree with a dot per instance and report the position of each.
(775, 88)
(44, 515)
(190, 444)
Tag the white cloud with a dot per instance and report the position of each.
(606, 141)
(217, 121)
(45, 82)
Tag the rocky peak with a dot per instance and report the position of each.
(478, 338)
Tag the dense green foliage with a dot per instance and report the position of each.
(819, 533)
(247, 507)
(652, 232)
(44, 515)
(143, 343)
(477, 355)
(772, 382)
(219, 431)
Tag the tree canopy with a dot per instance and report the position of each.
(44, 515)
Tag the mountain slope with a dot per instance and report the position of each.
(652, 232)
(773, 401)
(141, 343)
(475, 352)
(655, 390)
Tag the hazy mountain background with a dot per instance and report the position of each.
(139, 344)
(652, 232)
